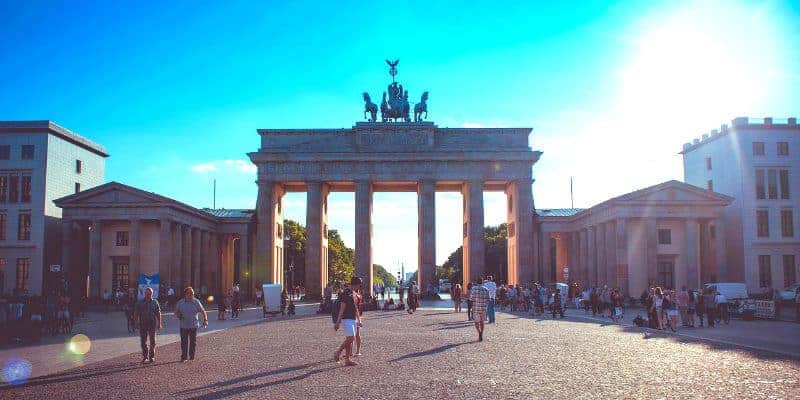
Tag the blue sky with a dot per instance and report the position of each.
(611, 89)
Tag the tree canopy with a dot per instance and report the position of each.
(382, 277)
(496, 256)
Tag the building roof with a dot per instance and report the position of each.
(558, 212)
(740, 124)
(230, 213)
(46, 126)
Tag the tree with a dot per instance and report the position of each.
(294, 250)
(341, 259)
(496, 257)
(382, 277)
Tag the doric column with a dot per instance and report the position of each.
(202, 260)
(66, 249)
(266, 265)
(583, 239)
(547, 257)
(622, 256)
(611, 254)
(474, 244)
(426, 232)
(165, 246)
(316, 239)
(135, 248)
(212, 268)
(651, 241)
(692, 255)
(521, 238)
(363, 213)
(723, 275)
(176, 267)
(245, 268)
(194, 259)
(186, 261)
(574, 270)
(591, 251)
(95, 258)
(600, 246)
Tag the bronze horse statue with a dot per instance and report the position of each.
(421, 107)
(371, 108)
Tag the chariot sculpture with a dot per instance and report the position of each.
(394, 103)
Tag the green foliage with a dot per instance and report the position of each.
(382, 277)
(496, 258)
(294, 250)
(341, 259)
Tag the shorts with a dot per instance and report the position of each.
(672, 313)
(63, 314)
(479, 315)
(349, 327)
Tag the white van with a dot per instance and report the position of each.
(731, 290)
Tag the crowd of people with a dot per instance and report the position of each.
(26, 318)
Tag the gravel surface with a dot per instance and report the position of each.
(434, 354)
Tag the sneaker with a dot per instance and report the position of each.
(144, 360)
(357, 354)
(480, 337)
(152, 360)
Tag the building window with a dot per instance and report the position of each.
(708, 163)
(5, 152)
(758, 148)
(764, 273)
(665, 274)
(13, 192)
(77, 187)
(784, 182)
(762, 220)
(710, 185)
(122, 238)
(772, 184)
(664, 236)
(783, 148)
(23, 273)
(3, 188)
(119, 276)
(78, 166)
(3, 230)
(760, 192)
(27, 152)
(26, 189)
(789, 274)
(787, 223)
(24, 231)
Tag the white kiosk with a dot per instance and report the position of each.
(272, 298)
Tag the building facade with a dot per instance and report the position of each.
(663, 235)
(39, 162)
(757, 162)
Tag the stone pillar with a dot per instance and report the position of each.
(720, 250)
(583, 256)
(266, 265)
(135, 248)
(692, 255)
(474, 243)
(316, 239)
(194, 262)
(66, 250)
(96, 258)
(521, 238)
(363, 254)
(547, 258)
(591, 251)
(602, 249)
(244, 259)
(611, 254)
(426, 232)
(186, 261)
(622, 256)
(165, 246)
(176, 274)
(574, 270)
(202, 260)
(651, 241)
(213, 271)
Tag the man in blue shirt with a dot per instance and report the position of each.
(187, 311)
(148, 313)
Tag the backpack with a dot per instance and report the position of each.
(335, 310)
(666, 304)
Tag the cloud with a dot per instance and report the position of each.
(471, 125)
(204, 168)
(225, 167)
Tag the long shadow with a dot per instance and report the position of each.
(248, 378)
(247, 388)
(79, 374)
(427, 352)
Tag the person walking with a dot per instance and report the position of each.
(348, 319)
(479, 295)
(683, 306)
(555, 304)
(455, 293)
(469, 302)
(187, 311)
(148, 313)
(492, 288)
(711, 307)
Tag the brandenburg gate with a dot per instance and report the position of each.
(393, 155)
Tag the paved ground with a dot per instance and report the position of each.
(433, 354)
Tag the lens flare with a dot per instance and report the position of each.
(16, 371)
(210, 299)
(79, 344)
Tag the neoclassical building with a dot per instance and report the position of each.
(664, 235)
(112, 233)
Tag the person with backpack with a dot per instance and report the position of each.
(348, 318)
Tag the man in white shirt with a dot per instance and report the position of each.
(492, 287)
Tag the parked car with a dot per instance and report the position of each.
(789, 293)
